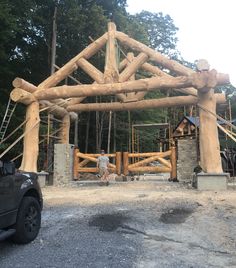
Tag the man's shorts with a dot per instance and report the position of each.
(103, 171)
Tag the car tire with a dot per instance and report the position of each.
(28, 221)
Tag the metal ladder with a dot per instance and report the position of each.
(11, 106)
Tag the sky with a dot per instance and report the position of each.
(207, 29)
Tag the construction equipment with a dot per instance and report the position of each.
(11, 106)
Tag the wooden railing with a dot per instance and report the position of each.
(132, 162)
(88, 163)
(166, 162)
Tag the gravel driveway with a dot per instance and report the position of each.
(134, 224)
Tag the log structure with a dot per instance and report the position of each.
(119, 79)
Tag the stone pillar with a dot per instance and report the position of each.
(187, 159)
(63, 164)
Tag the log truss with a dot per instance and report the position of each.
(119, 79)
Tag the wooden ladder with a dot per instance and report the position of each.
(11, 106)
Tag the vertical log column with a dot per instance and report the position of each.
(118, 163)
(209, 142)
(31, 139)
(125, 163)
(173, 160)
(65, 130)
(111, 73)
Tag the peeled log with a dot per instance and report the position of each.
(70, 66)
(91, 70)
(65, 130)
(141, 105)
(208, 134)
(158, 57)
(21, 83)
(116, 88)
(111, 73)
(155, 70)
(31, 139)
(132, 67)
(20, 95)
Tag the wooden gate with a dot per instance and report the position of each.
(158, 162)
(163, 162)
(88, 163)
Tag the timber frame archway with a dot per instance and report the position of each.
(118, 78)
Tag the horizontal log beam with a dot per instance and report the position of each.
(150, 169)
(156, 71)
(159, 154)
(90, 169)
(197, 79)
(141, 105)
(20, 95)
(21, 83)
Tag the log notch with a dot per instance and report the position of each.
(111, 73)
(31, 139)
(141, 105)
(64, 134)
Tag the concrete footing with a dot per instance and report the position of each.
(211, 181)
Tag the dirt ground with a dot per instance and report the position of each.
(132, 224)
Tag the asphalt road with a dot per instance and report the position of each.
(145, 232)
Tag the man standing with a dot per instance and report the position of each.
(102, 164)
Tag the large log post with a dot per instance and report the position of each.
(209, 143)
(31, 139)
(64, 134)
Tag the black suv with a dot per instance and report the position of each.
(20, 204)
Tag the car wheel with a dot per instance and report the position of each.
(28, 221)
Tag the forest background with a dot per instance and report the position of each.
(26, 51)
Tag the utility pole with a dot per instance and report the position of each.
(54, 40)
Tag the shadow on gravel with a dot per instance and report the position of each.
(176, 215)
(108, 222)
